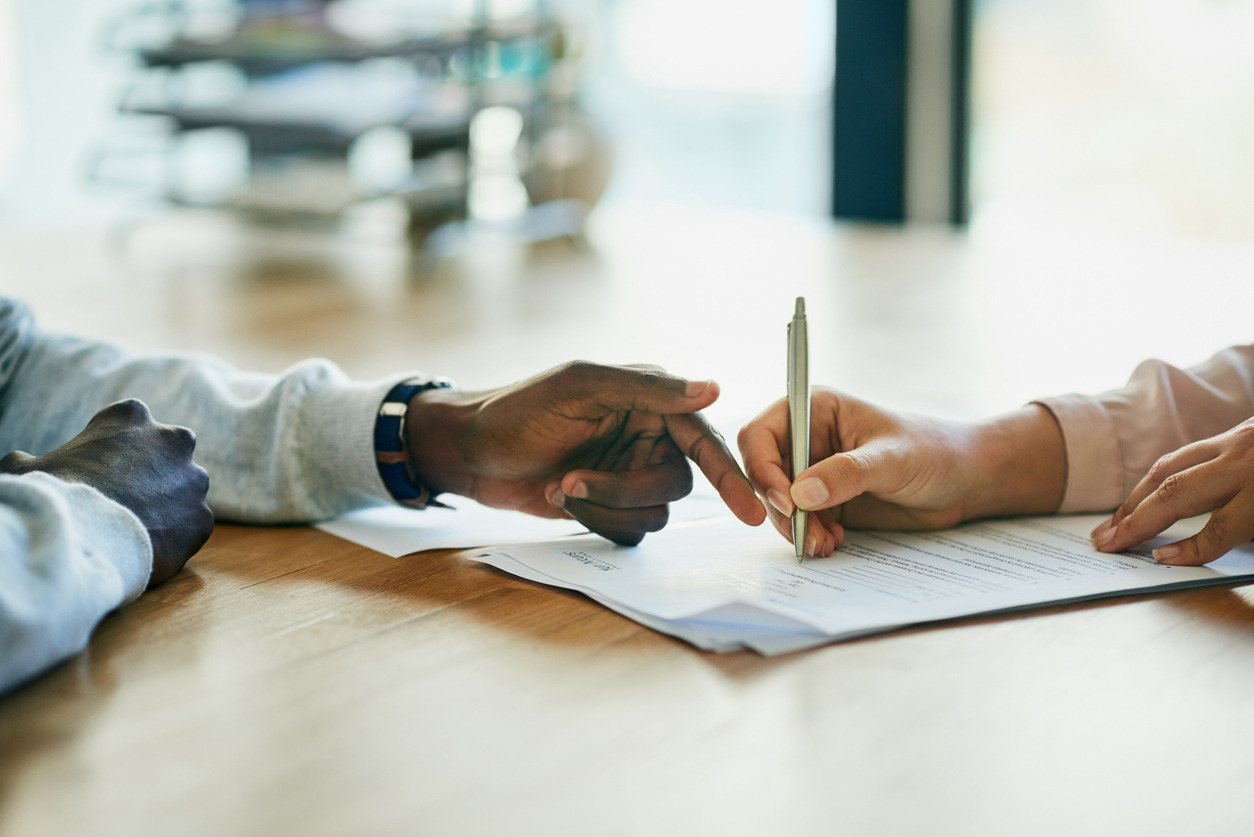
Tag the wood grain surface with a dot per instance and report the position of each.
(291, 683)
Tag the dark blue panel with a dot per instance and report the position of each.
(869, 110)
(960, 114)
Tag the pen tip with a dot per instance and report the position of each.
(801, 305)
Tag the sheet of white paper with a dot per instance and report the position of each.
(711, 640)
(736, 626)
(734, 585)
(397, 531)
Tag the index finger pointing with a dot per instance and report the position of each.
(701, 443)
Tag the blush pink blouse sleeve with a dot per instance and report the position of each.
(1113, 439)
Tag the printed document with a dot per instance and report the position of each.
(722, 585)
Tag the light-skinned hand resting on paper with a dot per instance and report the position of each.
(1215, 475)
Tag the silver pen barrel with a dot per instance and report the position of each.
(799, 411)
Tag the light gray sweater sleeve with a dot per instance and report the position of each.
(278, 448)
(68, 556)
(294, 447)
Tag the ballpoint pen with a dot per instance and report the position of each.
(799, 412)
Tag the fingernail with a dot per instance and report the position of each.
(809, 493)
(812, 544)
(558, 500)
(780, 501)
(1104, 534)
(695, 388)
(1166, 554)
(579, 491)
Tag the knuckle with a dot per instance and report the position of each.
(183, 438)
(130, 409)
(1217, 531)
(569, 370)
(202, 480)
(650, 377)
(206, 522)
(699, 448)
(1244, 433)
(1172, 489)
(716, 436)
(684, 481)
(12, 462)
(843, 476)
(1243, 442)
(1161, 470)
(850, 476)
(674, 481)
(708, 444)
(576, 375)
(580, 368)
(623, 538)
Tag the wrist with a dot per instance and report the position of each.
(438, 430)
(1020, 465)
(391, 443)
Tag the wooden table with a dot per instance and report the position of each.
(289, 682)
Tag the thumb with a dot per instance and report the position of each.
(835, 480)
(1227, 528)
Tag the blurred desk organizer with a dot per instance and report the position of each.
(299, 111)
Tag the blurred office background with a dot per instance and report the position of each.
(679, 103)
(691, 142)
(1133, 115)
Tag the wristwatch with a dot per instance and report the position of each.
(391, 453)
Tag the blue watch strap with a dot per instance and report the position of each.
(391, 454)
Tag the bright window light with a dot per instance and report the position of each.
(756, 48)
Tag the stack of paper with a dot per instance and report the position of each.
(721, 585)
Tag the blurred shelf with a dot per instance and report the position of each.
(304, 95)
(277, 50)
